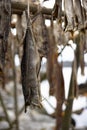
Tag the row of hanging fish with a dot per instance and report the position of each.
(35, 46)
(75, 14)
(41, 48)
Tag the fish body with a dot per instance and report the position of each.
(78, 13)
(5, 19)
(28, 69)
(69, 12)
(84, 2)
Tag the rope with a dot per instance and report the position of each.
(28, 10)
(28, 15)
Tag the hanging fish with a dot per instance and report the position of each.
(80, 40)
(5, 19)
(57, 10)
(55, 78)
(19, 28)
(78, 13)
(40, 35)
(59, 2)
(28, 70)
(69, 13)
(84, 2)
(50, 59)
(41, 41)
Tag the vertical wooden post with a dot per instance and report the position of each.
(15, 96)
(68, 111)
(5, 110)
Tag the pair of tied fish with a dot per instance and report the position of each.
(28, 70)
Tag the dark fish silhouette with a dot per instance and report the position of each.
(28, 69)
(5, 19)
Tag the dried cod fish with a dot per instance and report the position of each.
(73, 15)
(50, 59)
(57, 10)
(55, 76)
(69, 13)
(28, 69)
(84, 2)
(5, 19)
(41, 41)
(40, 35)
(78, 13)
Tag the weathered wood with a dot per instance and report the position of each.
(5, 111)
(19, 7)
(15, 96)
(68, 110)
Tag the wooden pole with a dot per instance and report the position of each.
(19, 7)
(68, 111)
(15, 91)
(15, 96)
(5, 110)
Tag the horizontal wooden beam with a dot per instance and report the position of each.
(19, 7)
